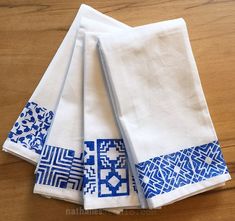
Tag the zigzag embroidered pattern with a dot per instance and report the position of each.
(166, 173)
(31, 127)
(89, 180)
(60, 167)
(134, 184)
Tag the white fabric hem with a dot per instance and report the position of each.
(122, 201)
(21, 152)
(187, 191)
(69, 195)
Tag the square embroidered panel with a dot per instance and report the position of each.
(31, 127)
(60, 167)
(108, 173)
(112, 168)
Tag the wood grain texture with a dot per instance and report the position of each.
(30, 33)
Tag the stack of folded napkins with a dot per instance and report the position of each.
(119, 119)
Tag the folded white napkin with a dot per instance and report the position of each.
(162, 112)
(30, 130)
(60, 169)
(107, 176)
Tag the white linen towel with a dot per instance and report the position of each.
(162, 112)
(30, 130)
(108, 181)
(59, 171)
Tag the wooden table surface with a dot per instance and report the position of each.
(30, 33)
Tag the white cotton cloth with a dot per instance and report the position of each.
(162, 112)
(108, 181)
(29, 133)
(60, 169)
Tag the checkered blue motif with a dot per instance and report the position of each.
(106, 168)
(61, 168)
(31, 127)
(166, 173)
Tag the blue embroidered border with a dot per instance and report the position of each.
(107, 172)
(166, 173)
(61, 168)
(31, 127)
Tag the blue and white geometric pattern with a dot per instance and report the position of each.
(89, 179)
(75, 180)
(60, 167)
(113, 176)
(31, 127)
(166, 173)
